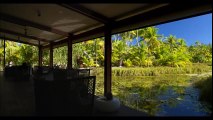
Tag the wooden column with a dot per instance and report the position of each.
(40, 55)
(51, 55)
(69, 56)
(107, 60)
(4, 62)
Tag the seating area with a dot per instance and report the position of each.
(57, 91)
(49, 73)
(63, 91)
(23, 99)
(21, 72)
(49, 26)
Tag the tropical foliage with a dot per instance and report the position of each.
(137, 48)
(16, 53)
(140, 53)
(144, 48)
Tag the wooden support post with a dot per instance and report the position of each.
(4, 54)
(69, 56)
(39, 55)
(51, 55)
(107, 60)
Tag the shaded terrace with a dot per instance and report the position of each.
(49, 26)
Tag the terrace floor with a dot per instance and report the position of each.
(17, 99)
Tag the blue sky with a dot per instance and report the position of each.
(191, 29)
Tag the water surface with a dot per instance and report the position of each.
(166, 95)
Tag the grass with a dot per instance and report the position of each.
(128, 73)
(155, 71)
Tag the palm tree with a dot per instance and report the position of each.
(151, 37)
(197, 43)
(119, 50)
(171, 41)
(181, 42)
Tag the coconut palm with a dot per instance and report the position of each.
(171, 40)
(118, 51)
(151, 38)
(181, 42)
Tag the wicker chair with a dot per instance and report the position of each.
(59, 98)
(60, 74)
(72, 73)
(86, 94)
(52, 97)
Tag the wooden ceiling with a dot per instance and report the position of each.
(40, 24)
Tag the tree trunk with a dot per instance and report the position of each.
(120, 63)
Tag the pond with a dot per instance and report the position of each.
(165, 95)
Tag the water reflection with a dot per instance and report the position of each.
(161, 95)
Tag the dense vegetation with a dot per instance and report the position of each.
(141, 48)
(195, 68)
(205, 86)
(17, 53)
(141, 53)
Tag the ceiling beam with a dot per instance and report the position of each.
(87, 12)
(19, 21)
(140, 10)
(172, 12)
(88, 33)
(22, 35)
(144, 16)
(14, 40)
(80, 37)
(159, 15)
